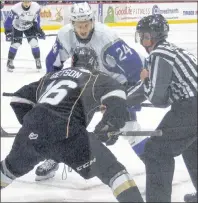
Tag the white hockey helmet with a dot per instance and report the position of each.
(81, 12)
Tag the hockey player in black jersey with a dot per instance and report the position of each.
(83, 30)
(170, 79)
(55, 127)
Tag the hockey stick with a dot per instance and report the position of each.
(142, 133)
(125, 133)
(147, 105)
(6, 134)
(27, 37)
(8, 94)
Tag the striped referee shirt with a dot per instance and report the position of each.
(172, 75)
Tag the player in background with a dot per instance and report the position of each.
(115, 58)
(2, 4)
(24, 18)
(55, 127)
(170, 79)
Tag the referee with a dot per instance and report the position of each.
(169, 79)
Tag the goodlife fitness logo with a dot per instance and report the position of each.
(157, 10)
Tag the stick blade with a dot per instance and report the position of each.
(6, 134)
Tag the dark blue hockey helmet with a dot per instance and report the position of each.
(85, 57)
(156, 25)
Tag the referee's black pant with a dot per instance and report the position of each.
(179, 127)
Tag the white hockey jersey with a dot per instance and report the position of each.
(22, 19)
(115, 57)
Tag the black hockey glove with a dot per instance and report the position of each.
(106, 133)
(38, 31)
(40, 34)
(115, 115)
(9, 35)
(109, 138)
(115, 118)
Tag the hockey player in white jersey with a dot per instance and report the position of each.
(115, 57)
(2, 4)
(24, 17)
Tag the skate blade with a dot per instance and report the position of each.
(48, 176)
(39, 69)
(10, 70)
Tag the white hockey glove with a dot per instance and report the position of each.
(131, 126)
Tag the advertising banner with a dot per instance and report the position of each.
(52, 15)
(189, 11)
(177, 11)
(115, 13)
(169, 11)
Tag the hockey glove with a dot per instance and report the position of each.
(9, 35)
(109, 138)
(58, 68)
(114, 119)
(40, 34)
(107, 133)
(115, 115)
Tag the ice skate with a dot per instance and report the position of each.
(190, 197)
(46, 170)
(10, 66)
(38, 64)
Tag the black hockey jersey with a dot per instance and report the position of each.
(72, 94)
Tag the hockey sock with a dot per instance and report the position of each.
(6, 176)
(36, 52)
(12, 53)
(124, 188)
(139, 144)
(132, 113)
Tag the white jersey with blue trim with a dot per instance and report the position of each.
(115, 57)
(23, 19)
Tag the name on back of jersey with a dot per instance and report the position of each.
(66, 72)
